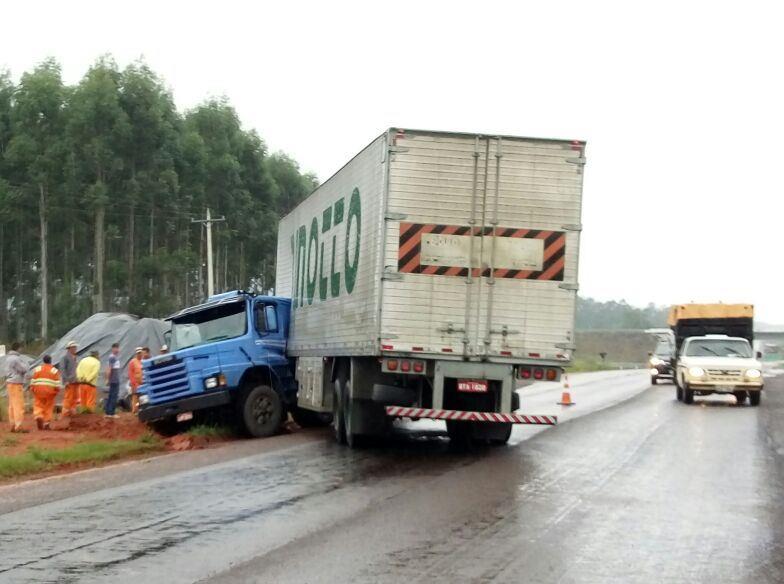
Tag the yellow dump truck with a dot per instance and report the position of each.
(714, 351)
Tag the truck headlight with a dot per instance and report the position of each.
(215, 381)
(144, 399)
(655, 361)
(753, 373)
(696, 371)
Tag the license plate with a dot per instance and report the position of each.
(184, 416)
(726, 388)
(472, 385)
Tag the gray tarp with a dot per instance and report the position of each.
(104, 328)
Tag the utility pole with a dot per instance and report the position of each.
(208, 223)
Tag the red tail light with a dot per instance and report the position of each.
(525, 373)
(538, 373)
(551, 374)
(392, 364)
(419, 366)
(405, 366)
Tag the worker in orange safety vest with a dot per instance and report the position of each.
(135, 377)
(45, 383)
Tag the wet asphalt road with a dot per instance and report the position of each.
(631, 487)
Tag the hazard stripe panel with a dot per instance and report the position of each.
(410, 245)
(540, 419)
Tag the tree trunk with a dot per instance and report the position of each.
(100, 215)
(152, 239)
(242, 276)
(44, 265)
(131, 252)
(3, 309)
(201, 263)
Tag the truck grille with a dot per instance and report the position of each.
(724, 374)
(168, 380)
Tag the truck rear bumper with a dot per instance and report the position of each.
(152, 412)
(456, 415)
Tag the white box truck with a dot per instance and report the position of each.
(430, 276)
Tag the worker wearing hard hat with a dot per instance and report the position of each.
(68, 373)
(45, 383)
(135, 377)
(15, 371)
(87, 375)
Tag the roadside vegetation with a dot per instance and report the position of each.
(586, 365)
(211, 431)
(36, 460)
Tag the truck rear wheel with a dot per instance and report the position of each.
(353, 439)
(261, 411)
(755, 397)
(308, 419)
(338, 421)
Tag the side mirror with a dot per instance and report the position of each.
(759, 354)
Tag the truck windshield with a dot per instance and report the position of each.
(719, 348)
(663, 349)
(206, 326)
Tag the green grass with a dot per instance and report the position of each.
(210, 431)
(37, 459)
(585, 365)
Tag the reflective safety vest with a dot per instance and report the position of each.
(45, 376)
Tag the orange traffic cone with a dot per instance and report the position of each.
(566, 396)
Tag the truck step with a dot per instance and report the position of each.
(402, 412)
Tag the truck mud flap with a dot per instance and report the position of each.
(540, 420)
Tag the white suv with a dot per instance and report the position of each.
(718, 364)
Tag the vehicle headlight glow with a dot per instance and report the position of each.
(656, 361)
(753, 373)
(144, 399)
(696, 371)
(654, 371)
(211, 382)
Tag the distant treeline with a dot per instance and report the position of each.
(99, 182)
(612, 315)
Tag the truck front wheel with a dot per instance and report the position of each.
(755, 397)
(740, 397)
(688, 394)
(261, 411)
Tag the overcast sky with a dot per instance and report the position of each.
(681, 104)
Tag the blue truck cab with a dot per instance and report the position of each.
(230, 353)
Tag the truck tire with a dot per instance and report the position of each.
(740, 397)
(678, 392)
(459, 433)
(654, 380)
(261, 411)
(688, 394)
(353, 439)
(308, 419)
(338, 421)
(501, 434)
(755, 397)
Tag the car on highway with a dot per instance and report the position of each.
(718, 364)
(660, 362)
